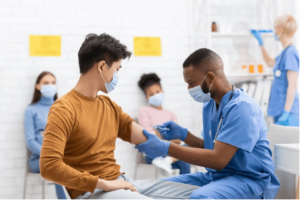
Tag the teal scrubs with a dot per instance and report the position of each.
(284, 62)
(250, 173)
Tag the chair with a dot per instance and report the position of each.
(29, 172)
(141, 163)
(284, 135)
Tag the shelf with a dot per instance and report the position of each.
(232, 75)
(216, 34)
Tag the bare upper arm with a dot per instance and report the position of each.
(292, 77)
(137, 135)
(224, 153)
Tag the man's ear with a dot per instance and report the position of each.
(211, 76)
(100, 66)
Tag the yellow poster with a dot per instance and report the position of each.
(147, 46)
(44, 45)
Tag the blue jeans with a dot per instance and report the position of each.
(35, 167)
(185, 168)
(146, 189)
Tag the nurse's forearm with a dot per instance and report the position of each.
(268, 59)
(216, 159)
(291, 90)
(193, 141)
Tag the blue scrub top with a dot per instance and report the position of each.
(244, 127)
(288, 61)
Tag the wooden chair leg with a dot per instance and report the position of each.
(297, 190)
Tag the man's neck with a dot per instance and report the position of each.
(218, 94)
(87, 86)
(286, 41)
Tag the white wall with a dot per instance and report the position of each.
(168, 19)
(73, 20)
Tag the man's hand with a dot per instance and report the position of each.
(154, 146)
(108, 186)
(175, 131)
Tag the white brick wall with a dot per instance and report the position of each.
(169, 19)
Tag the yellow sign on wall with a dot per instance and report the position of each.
(147, 46)
(44, 45)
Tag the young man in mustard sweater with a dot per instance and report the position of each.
(82, 128)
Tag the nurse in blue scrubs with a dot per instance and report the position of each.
(284, 100)
(235, 149)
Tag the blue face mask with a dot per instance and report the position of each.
(112, 85)
(156, 100)
(198, 94)
(48, 91)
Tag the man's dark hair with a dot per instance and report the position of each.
(96, 48)
(148, 80)
(199, 56)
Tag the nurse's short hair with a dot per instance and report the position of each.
(202, 55)
(288, 23)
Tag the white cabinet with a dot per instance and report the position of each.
(287, 157)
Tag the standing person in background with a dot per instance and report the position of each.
(154, 114)
(284, 100)
(45, 93)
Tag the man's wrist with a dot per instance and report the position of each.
(100, 183)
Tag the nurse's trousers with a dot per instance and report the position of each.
(226, 188)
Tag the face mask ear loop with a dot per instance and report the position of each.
(203, 80)
(103, 77)
(210, 87)
(109, 68)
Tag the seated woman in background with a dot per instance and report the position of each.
(45, 93)
(154, 114)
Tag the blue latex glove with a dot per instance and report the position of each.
(257, 36)
(175, 131)
(154, 147)
(284, 119)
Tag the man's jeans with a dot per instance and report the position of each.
(147, 189)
